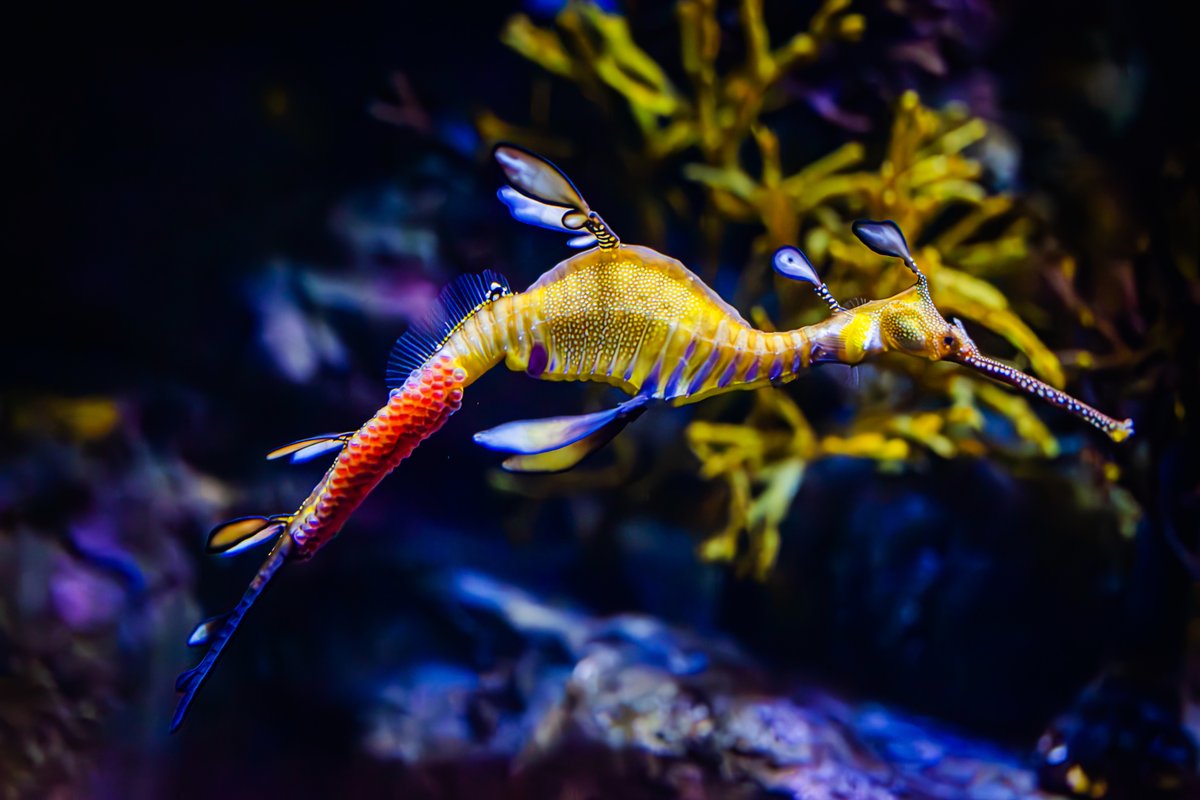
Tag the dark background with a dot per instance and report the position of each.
(158, 158)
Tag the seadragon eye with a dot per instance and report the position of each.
(948, 341)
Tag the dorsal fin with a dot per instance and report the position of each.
(456, 303)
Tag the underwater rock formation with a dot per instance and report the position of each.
(628, 706)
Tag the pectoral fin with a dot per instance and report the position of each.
(564, 458)
(537, 436)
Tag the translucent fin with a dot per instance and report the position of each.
(458, 302)
(543, 215)
(793, 264)
(565, 458)
(242, 533)
(536, 177)
(885, 238)
(583, 240)
(534, 436)
(832, 348)
(306, 449)
(575, 220)
(190, 681)
(205, 630)
(844, 375)
(534, 212)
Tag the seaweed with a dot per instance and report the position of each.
(929, 174)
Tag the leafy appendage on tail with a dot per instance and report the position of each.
(217, 632)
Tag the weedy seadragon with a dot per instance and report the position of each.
(615, 313)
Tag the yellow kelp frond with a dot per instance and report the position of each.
(79, 419)
(541, 46)
(762, 464)
(924, 179)
(960, 294)
(1027, 425)
(718, 127)
(596, 50)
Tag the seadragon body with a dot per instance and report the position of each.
(630, 317)
(619, 314)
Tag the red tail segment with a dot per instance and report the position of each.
(414, 411)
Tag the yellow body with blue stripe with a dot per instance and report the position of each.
(634, 318)
(637, 319)
(618, 314)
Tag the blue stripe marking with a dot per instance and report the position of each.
(537, 360)
(650, 385)
(705, 370)
(730, 371)
(672, 387)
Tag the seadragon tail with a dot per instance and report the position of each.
(189, 682)
(427, 373)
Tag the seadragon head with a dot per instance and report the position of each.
(910, 323)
